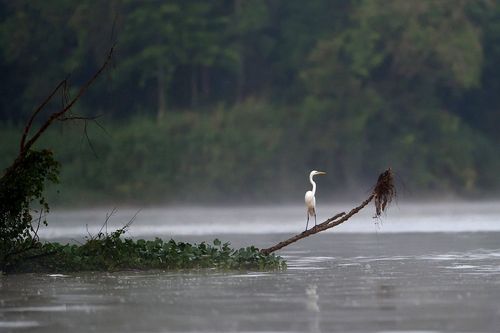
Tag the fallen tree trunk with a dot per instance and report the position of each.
(383, 193)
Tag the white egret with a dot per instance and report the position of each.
(310, 199)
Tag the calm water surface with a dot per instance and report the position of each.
(372, 278)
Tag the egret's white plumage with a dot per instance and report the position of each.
(310, 198)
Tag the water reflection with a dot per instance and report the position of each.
(312, 306)
(312, 298)
(18, 324)
(385, 295)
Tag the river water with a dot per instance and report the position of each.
(422, 268)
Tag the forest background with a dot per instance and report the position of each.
(238, 100)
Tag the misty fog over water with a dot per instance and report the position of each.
(196, 220)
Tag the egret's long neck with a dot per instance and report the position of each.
(313, 184)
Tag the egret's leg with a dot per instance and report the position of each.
(314, 218)
(307, 223)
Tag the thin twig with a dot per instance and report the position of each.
(85, 127)
(35, 113)
(78, 118)
(89, 142)
(101, 127)
(56, 115)
(105, 224)
(88, 232)
(36, 238)
(129, 223)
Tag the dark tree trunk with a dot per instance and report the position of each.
(205, 82)
(240, 75)
(162, 102)
(194, 86)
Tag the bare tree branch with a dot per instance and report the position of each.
(78, 118)
(129, 223)
(56, 115)
(88, 139)
(91, 237)
(35, 232)
(37, 111)
(383, 192)
(85, 131)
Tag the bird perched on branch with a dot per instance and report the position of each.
(310, 199)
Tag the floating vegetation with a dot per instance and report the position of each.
(112, 252)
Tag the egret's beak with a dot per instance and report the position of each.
(321, 173)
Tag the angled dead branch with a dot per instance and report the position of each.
(106, 220)
(92, 118)
(14, 212)
(383, 193)
(25, 144)
(63, 84)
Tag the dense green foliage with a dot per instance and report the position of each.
(243, 153)
(21, 191)
(112, 252)
(225, 99)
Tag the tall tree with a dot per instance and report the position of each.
(34, 42)
(388, 70)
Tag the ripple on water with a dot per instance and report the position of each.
(56, 308)
(19, 324)
(462, 267)
(409, 331)
(308, 268)
(308, 263)
(250, 275)
(468, 256)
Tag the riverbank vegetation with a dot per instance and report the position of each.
(23, 209)
(228, 100)
(256, 152)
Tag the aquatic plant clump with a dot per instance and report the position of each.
(113, 252)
